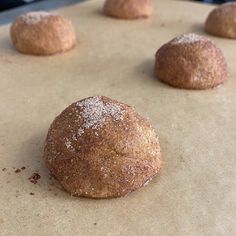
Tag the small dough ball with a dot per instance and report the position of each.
(191, 61)
(42, 33)
(222, 21)
(128, 9)
(101, 148)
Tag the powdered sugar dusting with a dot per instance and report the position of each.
(188, 38)
(35, 17)
(94, 111)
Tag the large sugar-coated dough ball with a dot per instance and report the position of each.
(101, 148)
(42, 33)
(222, 21)
(128, 9)
(191, 61)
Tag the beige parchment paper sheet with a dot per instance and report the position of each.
(195, 193)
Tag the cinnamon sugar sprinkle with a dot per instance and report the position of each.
(188, 38)
(35, 17)
(94, 112)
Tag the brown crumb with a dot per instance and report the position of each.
(162, 25)
(31, 193)
(23, 168)
(95, 223)
(17, 171)
(34, 178)
(3, 169)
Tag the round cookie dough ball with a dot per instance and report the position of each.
(191, 61)
(42, 33)
(222, 21)
(101, 148)
(128, 9)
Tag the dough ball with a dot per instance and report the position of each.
(191, 61)
(128, 9)
(42, 33)
(101, 148)
(222, 21)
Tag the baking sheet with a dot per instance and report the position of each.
(195, 193)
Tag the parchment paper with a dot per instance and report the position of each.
(195, 193)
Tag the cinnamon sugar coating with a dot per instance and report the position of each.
(128, 9)
(101, 148)
(222, 21)
(42, 33)
(191, 61)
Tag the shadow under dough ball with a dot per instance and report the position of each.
(128, 9)
(222, 21)
(101, 148)
(191, 61)
(42, 33)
